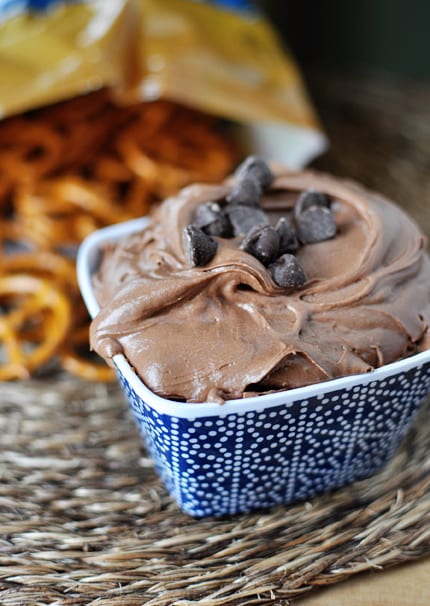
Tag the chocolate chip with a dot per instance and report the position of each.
(257, 168)
(199, 247)
(287, 238)
(244, 218)
(315, 224)
(246, 191)
(287, 271)
(262, 242)
(310, 198)
(211, 218)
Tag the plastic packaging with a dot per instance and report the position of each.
(220, 57)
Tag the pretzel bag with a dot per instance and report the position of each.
(109, 107)
(219, 56)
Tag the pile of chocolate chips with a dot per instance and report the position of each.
(240, 214)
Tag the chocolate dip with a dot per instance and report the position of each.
(227, 330)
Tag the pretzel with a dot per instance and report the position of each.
(63, 211)
(73, 353)
(44, 264)
(33, 326)
(65, 171)
(28, 152)
(175, 139)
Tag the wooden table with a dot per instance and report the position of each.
(407, 585)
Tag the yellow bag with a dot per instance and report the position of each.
(218, 56)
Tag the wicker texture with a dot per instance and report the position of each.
(85, 520)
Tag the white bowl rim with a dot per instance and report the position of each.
(85, 259)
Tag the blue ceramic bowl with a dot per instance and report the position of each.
(260, 451)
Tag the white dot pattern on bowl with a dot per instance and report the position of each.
(238, 462)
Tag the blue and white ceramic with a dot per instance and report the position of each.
(218, 459)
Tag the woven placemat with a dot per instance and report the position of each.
(85, 520)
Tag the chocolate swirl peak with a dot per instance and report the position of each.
(226, 329)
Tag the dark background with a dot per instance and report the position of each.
(366, 65)
(389, 36)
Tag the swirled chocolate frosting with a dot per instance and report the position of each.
(226, 329)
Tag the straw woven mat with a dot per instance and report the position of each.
(85, 520)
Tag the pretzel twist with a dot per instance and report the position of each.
(34, 323)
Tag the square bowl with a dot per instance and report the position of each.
(256, 452)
